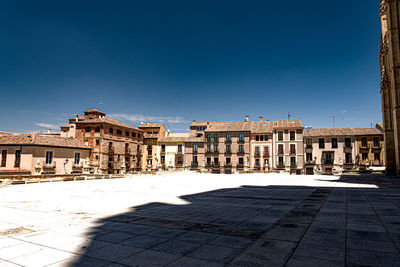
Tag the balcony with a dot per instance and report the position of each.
(257, 155)
(364, 148)
(327, 162)
(292, 152)
(78, 166)
(194, 164)
(228, 165)
(127, 151)
(240, 166)
(51, 165)
(266, 155)
(308, 146)
(240, 153)
(280, 152)
(293, 166)
(228, 141)
(309, 162)
(180, 151)
(110, 151)
(280, 166)
(240, 141)
(228, 153)
(376, 147)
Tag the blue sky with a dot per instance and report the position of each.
(176, 61)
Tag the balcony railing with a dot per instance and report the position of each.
(280, 166)
(309, 146)
(309, 162)
(110, 151)
(78, 166)
(228, 165)
(266, 155)
(327, 161)
(257, 154)
(292, 151)
(280, 151)
(241, 141)
(194, 164)
(228, 141)
(127, 151)
(293, 166)
(51, 165)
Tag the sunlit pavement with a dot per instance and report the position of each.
(187, 219)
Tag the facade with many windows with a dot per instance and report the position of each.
(38, 153)
(116, 146)
(150, 155)
(171, 151)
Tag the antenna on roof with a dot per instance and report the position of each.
(371, 124)
(288, 115)
(333, 121)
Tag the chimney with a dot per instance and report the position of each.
(260, 118)
(194, 120)
(76, 118)
(246, 118)
(48, 131)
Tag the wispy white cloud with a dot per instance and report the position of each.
(144, 118)
(47, 125)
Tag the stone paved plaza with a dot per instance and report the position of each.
(187, 219)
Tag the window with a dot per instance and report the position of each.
(241, 137)
(88, 129)
(321, 142)
(228, 137)
(138, 135)
(133, 134)
(195, 147)
(119, 132)
(216, 161)
(292, 148)
(261, 137)
(376, 142)
(208, 161)
(266, 151)
(257, 138)
(216, 148)
(111, 130)
(241, 148)
(364, 142)
(110, 145)
(194, 159)
(309, 157)
(208, 148)
(280, 136)
(127, 133)
(97, 129)
(228, 161)
(77, 158)
(308, 143)
(228, 148)
(155, 132)
(377, 157)
(280, 148)
(201, 128)
(364, 156)
(208, 137)
(347, 142)
(3, 158)
(215, 137)
(257, 150)
(292, 135)
(96, 157)
(265, 137)
(49, 157)
(348, 158)
(17, 158)
(179, 148)
(257, 163)
(292, 161)
(334, 142)
(97, 142)
(240, 161)
(163, 148)
(328, 158)
(280, 161)
(179, 159)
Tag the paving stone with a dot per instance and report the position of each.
(197, 237)
(371, 245)
(81, 261)
(324, 240)
(19, 250)
(215, 253)
(286, 231)
(367, 235)
(114, 252)
(297, 261)
(333, 232)
(149, 258)
(167, 233)
(371, 258)
(188, 261)
(43, 257)
(144, 241)
(312, 250)
(4, 263)
(176, 247)
(365, 227)
(265, 253)
(114, 237)
(231, 241)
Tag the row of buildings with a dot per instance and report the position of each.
(94, 143)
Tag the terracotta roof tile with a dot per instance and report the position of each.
(288, 123)
(41, 139)
(107, 121)
(341, 131)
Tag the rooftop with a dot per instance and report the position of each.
(341, 131)
(41, 140)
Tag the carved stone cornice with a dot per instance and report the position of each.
(385, 80)
(383, 8)
(384, 46)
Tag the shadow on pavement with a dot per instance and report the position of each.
(257, 226)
